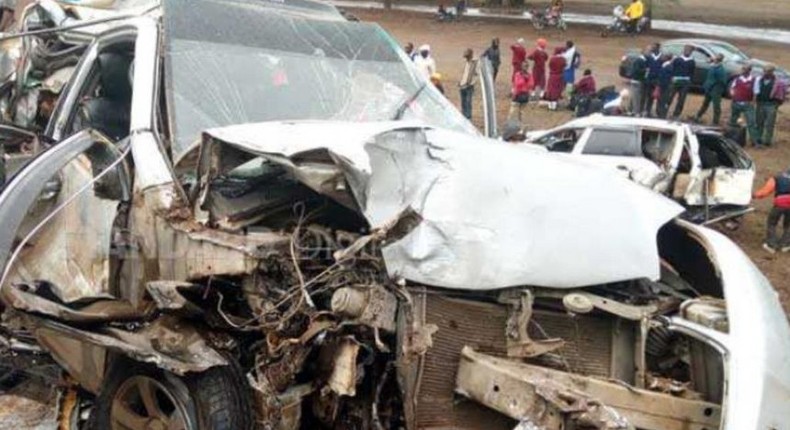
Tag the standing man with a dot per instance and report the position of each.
(424, 62)
(467, 83)
(682, 71)
(539, 58)
(572, 62)
(715, 86)
(636, 84)
(409, 50)
(653, 63)
(779, 186)
(742, 92)
(555, 84)
(519, 55)
(493, 55)
(521, 88)
(770, 92)
(664, 87)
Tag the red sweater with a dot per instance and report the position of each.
(742, 89)
(522, 83)
(519, 55)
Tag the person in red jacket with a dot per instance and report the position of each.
(556, 83)
(779, 187)
(539, 57)
(519, 55)
(522, 85)
(586, 85)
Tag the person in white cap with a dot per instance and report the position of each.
(424, 62)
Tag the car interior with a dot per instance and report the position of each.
(106, 99)
(717, 151)
(657, 146)
(562, 141)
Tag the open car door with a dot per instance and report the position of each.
(61, 213)
(488, 92)
(726, 174)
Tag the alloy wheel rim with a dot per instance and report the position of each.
(143, 403)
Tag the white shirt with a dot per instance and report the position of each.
(426, 66)
(569, 54)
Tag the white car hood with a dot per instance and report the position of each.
(492, 215)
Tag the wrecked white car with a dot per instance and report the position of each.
(710, 174)
(217, 241)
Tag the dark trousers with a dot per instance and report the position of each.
(680, 89)
(664, 98)
(712, 97)
(747, 110)
(648, 88)
(772, 236)
(495, 69)
(766, 122)
(466, 101)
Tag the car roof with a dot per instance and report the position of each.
(692, 41)
(599, 120)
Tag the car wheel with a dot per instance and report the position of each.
(142, 397)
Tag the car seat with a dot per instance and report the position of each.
(110, 112)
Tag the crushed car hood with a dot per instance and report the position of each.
(491, 215)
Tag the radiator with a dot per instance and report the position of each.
(481, 325)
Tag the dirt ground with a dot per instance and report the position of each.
(448, 42)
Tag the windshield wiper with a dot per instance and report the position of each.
(405, 105)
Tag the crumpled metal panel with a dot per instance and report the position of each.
(72, 251)
(492, 215)
(31, 405)
(758, 388)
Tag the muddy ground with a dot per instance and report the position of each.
(602, 55)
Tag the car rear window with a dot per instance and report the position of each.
(613, 142)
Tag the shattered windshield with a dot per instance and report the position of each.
(253, 64)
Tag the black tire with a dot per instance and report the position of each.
(217, 399)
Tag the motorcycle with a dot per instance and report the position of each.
(621, 24)
(543, 19)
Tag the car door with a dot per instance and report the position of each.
(725, 175)
(70, 232)
(59, 214)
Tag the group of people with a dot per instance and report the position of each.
(536, 75)
(548, 77)
(663, 80)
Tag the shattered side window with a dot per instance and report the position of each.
(622, 143)
(269, 66)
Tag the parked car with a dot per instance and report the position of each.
(704, 51)
(252, 217)
(710, 174)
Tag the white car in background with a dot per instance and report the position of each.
(710, 174)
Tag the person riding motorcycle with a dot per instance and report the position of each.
(634, 13)
(555, 10)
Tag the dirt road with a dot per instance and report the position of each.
(601, 55)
